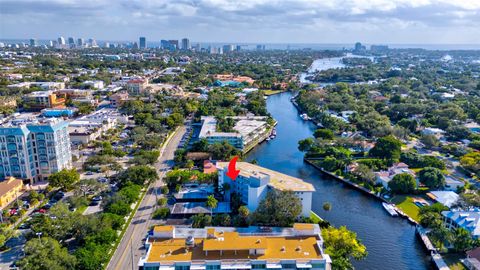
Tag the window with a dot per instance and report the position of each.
(213, 267)
(259, 266)
(182, 267)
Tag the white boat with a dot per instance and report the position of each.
(267, 139)
(390, 209)
(304, 116)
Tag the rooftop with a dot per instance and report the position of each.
(243, 126)
(278, 180)
(230, 244)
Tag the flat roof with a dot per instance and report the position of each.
(276, 248)
(244, 125)
(278, 180)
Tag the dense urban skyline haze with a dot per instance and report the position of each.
(302, 21)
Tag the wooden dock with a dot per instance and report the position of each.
(436, 257)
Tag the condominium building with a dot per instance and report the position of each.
(299, 247)
(32, 148)
(254, 182)
(248, 131)
(43, 99)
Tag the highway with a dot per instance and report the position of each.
(131, 248)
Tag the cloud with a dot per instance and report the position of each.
(256, 19)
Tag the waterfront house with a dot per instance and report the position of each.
(384, 177)
(447, 198)
(299, 247)
(469, 220)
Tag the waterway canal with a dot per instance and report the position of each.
(391, 242)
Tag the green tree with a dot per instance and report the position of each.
(160, 213)
(138, 175)
(323, 133)
(201, 220)
(306, 144)
(430, 141)
(388, 148)
(432, 177)
(211, 203)
(64, 179)
(342, 245)
(278, 208)
(402, 183)
(46, 254)
(462, 240)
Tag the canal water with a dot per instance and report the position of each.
(391, 242)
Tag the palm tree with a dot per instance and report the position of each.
(211, 203)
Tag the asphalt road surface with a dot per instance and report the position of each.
(131, 249)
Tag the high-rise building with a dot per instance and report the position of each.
(239, 48)
(51, 43)
(71, 42)
(142, 43)
(174, 43)
(33, 149)
(185, 44)
(33, 42)
(92, 43)
(80, 42)
(61, 41)
(358, 46)
(379, 48)
(228, 48)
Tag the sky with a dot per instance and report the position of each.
(267, 21)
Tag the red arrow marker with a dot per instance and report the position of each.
(232, 171)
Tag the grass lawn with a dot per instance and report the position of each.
(272, 92)
(453, 261)
(314, 217)
(405, 203)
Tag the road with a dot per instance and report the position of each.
(131, 248)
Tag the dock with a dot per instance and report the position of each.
(436, 257)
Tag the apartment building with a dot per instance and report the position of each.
(299, 247)
(248, 130)
(39, 100)
(254, 182)
(32, 148)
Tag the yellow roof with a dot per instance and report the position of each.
(303, 226)
(276, 248)
(232, 241)
(165, 228)
(278, 180)
(9, 184)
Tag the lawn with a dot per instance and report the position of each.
(405, 203)
(314, 217)
(272, 92)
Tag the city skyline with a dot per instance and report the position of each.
(413, 22)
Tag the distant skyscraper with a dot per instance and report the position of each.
(228, 48)
(71, 41)
(61, 41)
(239, 48)
(185, 44)
(358, 46)
(174, 43)
(33, 42)
(80, 42)
(92, 42)
(51, 43)
(142, 43)
(260, 47)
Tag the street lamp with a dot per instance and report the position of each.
(38, 234)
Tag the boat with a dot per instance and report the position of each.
(304, 116)
(390, 209)
(268, 139)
